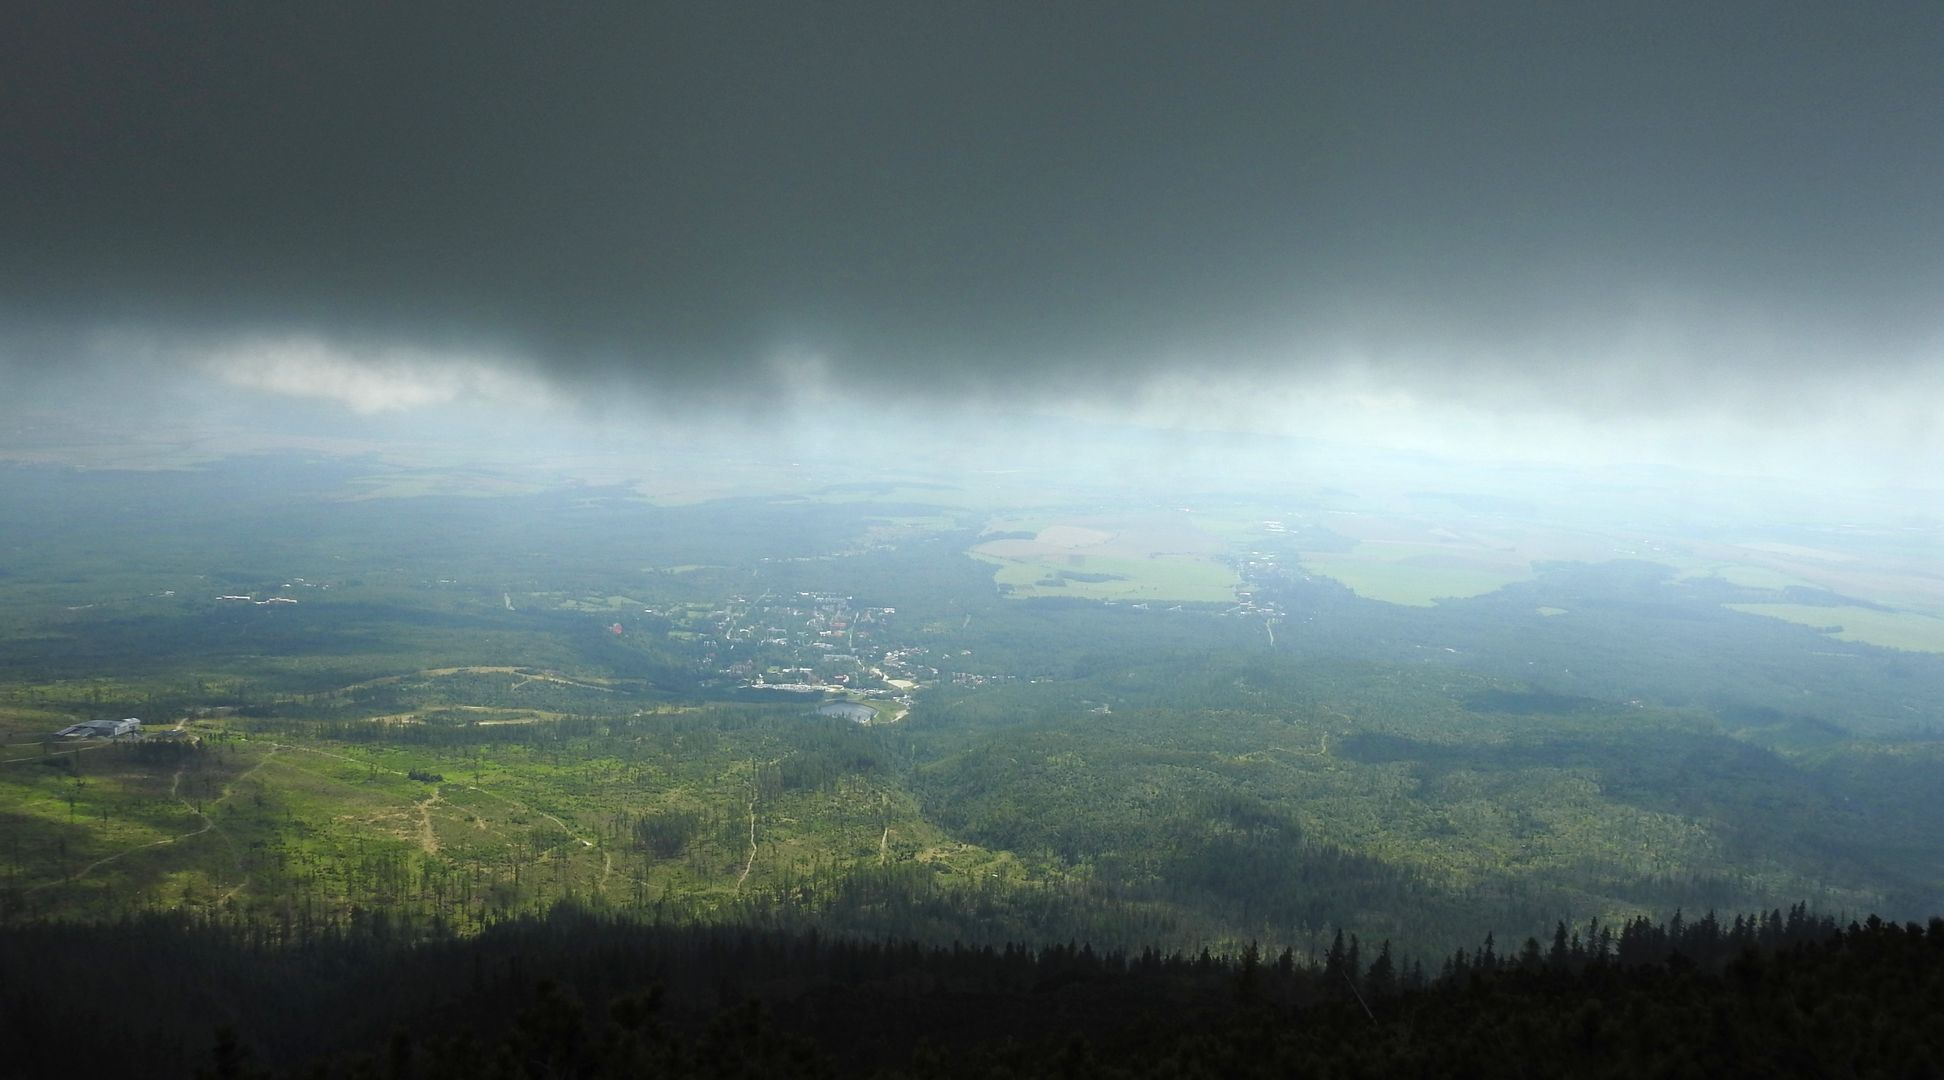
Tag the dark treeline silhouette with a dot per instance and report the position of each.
(581, 994)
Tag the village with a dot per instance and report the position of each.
(826, 645)
(806, 643)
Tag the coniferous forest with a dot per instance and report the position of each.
(571, 994)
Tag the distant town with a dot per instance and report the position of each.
(814, 643)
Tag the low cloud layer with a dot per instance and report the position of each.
(391, 380)
(1612, 216)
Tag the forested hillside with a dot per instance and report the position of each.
(462, 696)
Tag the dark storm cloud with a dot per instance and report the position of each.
(983, 196)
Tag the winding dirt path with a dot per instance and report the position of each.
(751, 864)
(514, 803)
(428, 840)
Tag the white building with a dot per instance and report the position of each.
(102, 729)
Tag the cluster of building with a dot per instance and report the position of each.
(102, 729)
(1255, 567)
(293, 583)
(973, 678)
(806, 642)
(814, 644)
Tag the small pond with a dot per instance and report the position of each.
(849, 710)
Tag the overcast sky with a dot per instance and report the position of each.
(1603, 230)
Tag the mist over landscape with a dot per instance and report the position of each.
(991, 539)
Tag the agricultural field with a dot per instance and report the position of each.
(1743, 574)
(1416, 576)
(1145, 558)
(1891, 567)
(1906, 630)
(1411, 559)
(1158, 578)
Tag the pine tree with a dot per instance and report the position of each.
(1334, 966)
(1382, 980)
(1248, 981)
(1530, 958)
